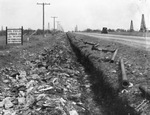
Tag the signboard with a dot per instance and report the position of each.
(14, 36)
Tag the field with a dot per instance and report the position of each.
(34, 39)
(10, 53)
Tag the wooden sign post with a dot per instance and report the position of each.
(14, 36)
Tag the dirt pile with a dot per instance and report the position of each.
(108, 75)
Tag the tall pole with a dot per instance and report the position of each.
(43, 4)
(54, 21)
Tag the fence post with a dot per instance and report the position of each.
(6, 35)
(22, 35)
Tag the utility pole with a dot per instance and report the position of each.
(54, 21)
(43, 4)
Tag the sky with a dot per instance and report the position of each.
(93, 14)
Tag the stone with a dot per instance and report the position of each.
(21, 94)
(40, 96)
(9, 112)
(6, 81)
(30, 100)
(21, 100)
(1, 104)
(73, 112)
(23, 74)
(7, 103)
(113, 71)
(31, 83)
(29, 90)
(35, 76)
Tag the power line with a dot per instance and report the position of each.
(54, 21)
(43, 4)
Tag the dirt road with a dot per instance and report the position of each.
(134, 41)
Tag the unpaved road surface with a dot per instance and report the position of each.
(134, 41)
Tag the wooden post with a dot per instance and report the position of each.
(6, 35)
(22, 35)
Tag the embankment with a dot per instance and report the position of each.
(105, 90)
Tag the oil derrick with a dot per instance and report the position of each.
(143, 25)
(131, 26)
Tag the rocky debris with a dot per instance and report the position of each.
(45, 84)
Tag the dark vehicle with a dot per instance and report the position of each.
(104, 30)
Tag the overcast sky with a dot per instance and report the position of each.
(93, 14)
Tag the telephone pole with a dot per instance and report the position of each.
(54, 21)
(43, 4)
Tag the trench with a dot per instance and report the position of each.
(104, 95)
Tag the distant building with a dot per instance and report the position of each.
(131, 26)
(143, 25)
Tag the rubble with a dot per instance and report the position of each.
(47, 86)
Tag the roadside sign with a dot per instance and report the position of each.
(14, 36)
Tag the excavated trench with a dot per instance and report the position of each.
(105, 96)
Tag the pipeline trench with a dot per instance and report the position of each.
(65, 74)
(106, 92)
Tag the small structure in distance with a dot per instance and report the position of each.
(143, 25)
(104, 30)
(131, 26)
